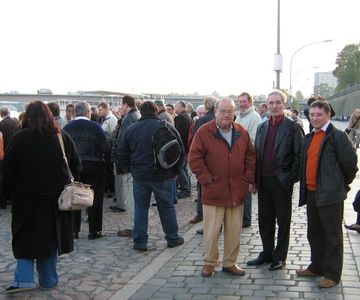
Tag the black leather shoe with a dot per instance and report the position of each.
(183, 194)
(76, 235)
(116, 208)
(140, 248)
(276, 265)
(95, 235)
(200, 231)
(244, 225)
(259, 261)
(176, 243)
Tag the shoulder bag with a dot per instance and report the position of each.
(75, 195)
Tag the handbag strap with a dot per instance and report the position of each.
(64, 156)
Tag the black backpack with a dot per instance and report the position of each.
(166, 147)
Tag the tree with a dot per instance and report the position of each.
(215, 94)
(299, 96)
(348, 67)
(295, 104)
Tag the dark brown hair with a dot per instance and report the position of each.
(321, 104)
(54, 108)
(129, 100)
(38, 118)
(148, 108)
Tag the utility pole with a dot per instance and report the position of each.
(278, 56)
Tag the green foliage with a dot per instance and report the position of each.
(299, 96)
(295, 104)
(348, 67)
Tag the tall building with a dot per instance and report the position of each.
(325, 78)
(324, 84)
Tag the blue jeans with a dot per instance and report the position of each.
(46, 267)
(184, 178)
(247, 209)
(174, 191)
(165, 204)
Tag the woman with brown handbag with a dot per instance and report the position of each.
(34, 176)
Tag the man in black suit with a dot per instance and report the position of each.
(182, 124)
(278, 144)
(8, 127)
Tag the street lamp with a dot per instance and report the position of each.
(292, 57)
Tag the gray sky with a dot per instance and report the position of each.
(163, 46)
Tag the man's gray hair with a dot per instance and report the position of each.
(210, 102)
(82, 109)
(227, 100)
(200, 107)
(279, 93)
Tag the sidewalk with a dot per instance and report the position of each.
(179, 277)
(109, 268)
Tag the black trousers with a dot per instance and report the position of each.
(109, 176)
(274, 206)
(92, 173)
(325, 238)
(199, 208)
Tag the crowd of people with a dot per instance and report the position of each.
(233, 155)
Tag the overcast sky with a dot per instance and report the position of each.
(163, 46)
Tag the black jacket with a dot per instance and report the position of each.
(288, 143)
(8, 127)
(209, 116)
(135, 151)
(337, 167)
(34, 177)
(182, 125)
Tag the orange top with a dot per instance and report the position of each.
(312, 160)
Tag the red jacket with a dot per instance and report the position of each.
(224, 172)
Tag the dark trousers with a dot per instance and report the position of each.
(92, 173)
(199, 208)
(109, 176)
(325, 238)
(274, 206)
(247, 209)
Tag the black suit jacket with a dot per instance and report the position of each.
(8, 127)
(286, 159)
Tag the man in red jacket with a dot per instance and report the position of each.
(223, 159)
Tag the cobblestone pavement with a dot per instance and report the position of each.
(96, 269)
(109, 268)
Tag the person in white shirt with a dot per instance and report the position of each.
(108, 120)
(250, 120)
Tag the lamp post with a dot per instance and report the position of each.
(292, 57)
(278, 56)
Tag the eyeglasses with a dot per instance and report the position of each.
(225, 112)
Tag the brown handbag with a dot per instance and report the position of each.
(76, 195)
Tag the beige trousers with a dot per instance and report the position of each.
(231, 219)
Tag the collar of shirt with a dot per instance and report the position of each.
(82, 118)
(222, 130)
(276, 120)
(324, 128)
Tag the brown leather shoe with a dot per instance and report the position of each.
(327, 283)
(234, 270)
(124, 232)
(207, 271)
(305, 272)
(196, 219)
